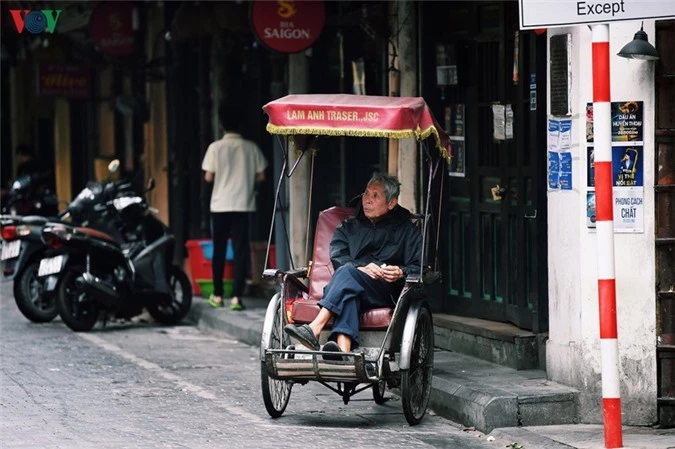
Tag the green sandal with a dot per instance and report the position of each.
(238, 306)
(213, 303)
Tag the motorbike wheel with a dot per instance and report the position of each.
(78, 314)
(181, 299)
(30, 298)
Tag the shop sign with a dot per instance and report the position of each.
(111, 28)
(288, 26)
(63, 80)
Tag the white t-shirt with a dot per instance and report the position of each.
(234, 162)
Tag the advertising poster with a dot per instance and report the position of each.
(454, 126)
(627, 123)
(457, 167)
(559, 156)
(590, 208)
(628, 209)
(590, 167)
(628, 166)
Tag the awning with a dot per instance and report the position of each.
(356, 115)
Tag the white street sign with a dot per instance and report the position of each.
(560, 13)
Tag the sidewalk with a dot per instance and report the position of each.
(246, 326)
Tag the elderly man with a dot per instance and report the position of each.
(372, 254)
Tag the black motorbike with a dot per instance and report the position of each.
(23, 247)
(31, 195)
(98, 277)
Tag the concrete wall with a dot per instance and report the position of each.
(573, 348)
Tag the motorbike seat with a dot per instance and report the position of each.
(35, 220)
(97, 234)
(321, 272)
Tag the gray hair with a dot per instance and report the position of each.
(390, 183)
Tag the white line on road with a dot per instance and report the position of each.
(179, 381)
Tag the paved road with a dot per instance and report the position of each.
(144, 386)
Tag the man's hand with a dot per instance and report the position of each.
(390, 273)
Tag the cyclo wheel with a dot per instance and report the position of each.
(378, 392)
(416, 380)
(276, 393)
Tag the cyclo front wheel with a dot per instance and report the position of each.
(276, 393)
(416, 380)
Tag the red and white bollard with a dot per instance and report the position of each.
(602, 134)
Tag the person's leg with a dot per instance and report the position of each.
(240, 250)
(342, 297)
(220, 229)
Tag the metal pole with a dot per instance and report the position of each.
(609, 347)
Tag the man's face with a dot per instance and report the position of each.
(375, 203)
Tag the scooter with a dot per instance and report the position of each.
(23, 248)
(99, 277)
(31, 195)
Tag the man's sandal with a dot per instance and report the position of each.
(303, 334)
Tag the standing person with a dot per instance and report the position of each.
(372, 253)
(234, 165)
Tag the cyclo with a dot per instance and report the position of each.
(397, 343)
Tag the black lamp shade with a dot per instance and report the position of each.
(639, 48)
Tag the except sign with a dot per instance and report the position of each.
(558, 13)
(288, 26)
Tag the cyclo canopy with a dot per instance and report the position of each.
(356, 115)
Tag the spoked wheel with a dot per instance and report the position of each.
(179, 304)
(378, 392)
(276, 393)
(30, 298)
(76, 310)
(416, 381)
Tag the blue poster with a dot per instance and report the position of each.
(565, 177)
(553, 169)
(627, 169)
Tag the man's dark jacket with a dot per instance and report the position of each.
(393, 240)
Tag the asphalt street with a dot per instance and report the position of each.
(135, 385)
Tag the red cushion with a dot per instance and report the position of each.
(322, 267)
(304, 311)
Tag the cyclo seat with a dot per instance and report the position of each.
(304, 310)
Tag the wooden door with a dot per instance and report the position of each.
(497, 212)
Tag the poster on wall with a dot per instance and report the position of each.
(626, 121)
(559, 154)
(454, 126)
(628, 209)
(627, 166)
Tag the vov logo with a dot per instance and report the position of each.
(35, 21)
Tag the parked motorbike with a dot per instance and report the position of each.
(31, 195)
(99, 277)
(23, 248)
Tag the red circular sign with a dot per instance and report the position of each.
(288, 26)
(111, 27)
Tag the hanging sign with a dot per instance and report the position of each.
(63, 80)
(560, 13)
(288, 26)
(111, 28)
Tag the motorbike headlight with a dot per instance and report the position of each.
(16, 185)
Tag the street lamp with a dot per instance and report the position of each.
(639, 48)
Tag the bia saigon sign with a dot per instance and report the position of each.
(288, 26)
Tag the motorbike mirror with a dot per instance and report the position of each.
(114, 165)
(150, 184)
